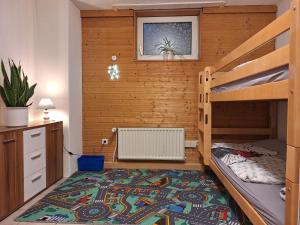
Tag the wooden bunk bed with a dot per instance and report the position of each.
(286, 89)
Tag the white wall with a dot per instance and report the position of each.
(17, 37)
(282, 6)
(51, 58)
(58, 61)
(46, 36)
(75, 84)
(52, 61)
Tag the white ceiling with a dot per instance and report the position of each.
(140, 4)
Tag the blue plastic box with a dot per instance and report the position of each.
(90, 163)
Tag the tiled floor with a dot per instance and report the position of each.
(11, 219)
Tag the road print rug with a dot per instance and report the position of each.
(119, 196)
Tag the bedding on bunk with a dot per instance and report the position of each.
(252, 163)
(265, 198)
(274, 75)
(264, 169)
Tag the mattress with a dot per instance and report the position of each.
(265, 198)
(274, 75)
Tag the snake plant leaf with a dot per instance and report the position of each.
(15, 91)
(22, 99)
(3, 69)
(6, 82)
(9, 96)
(15, 77)
(4, 96)
(8, 92)
(19, 68)
(14, 82)
(30, 92)
(24, 84)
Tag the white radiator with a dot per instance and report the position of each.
(151, 144)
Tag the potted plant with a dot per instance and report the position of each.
(15, 93)
(167, 49)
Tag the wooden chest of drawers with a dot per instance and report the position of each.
(31, 159)
(34, 145)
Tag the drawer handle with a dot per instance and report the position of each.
(36, 178)
(36, 156)
(36, 134)
(8, 141)
(53, 130)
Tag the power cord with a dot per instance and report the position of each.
(115, 132)
(70, 153)
(67, 151)
(116, 147)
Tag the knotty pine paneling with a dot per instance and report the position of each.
(154, 94)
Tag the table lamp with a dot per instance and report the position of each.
(46, 103)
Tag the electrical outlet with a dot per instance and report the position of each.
(104, 141)
(190, 143)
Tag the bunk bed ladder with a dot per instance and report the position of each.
(204, 115)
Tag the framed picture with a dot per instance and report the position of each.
(168, 38)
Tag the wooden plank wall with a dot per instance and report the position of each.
(241, 115)
(154, 94)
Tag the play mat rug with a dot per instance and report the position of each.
(138, 196)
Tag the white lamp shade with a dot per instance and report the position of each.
(46, 103)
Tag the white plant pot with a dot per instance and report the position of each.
(168, 56)
(171, 56)
(16, 116)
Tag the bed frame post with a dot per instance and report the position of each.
(204, 124)
(294, 78)
(273, 108)
(293, 134)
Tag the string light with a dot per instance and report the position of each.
(113, 70)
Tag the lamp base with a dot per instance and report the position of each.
(46, 116)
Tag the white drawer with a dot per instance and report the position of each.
(34, 184)
(34, 161)
(34, 139)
